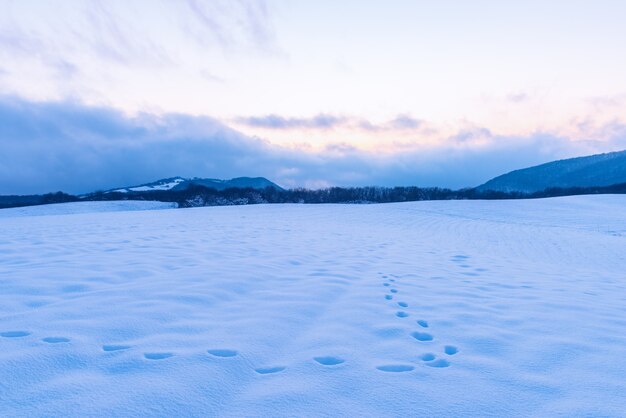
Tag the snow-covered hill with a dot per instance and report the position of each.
(180, 183)
(447, 308)
(85, 207)
(594, 170)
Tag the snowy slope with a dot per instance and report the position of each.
(164, 184)
(84, 207)
(454, 308)
(179, 183)
(593, 170)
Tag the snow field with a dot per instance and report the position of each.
(499, 308)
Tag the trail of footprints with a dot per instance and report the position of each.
(421, 335)
(216, 352)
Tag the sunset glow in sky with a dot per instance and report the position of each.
(328, 78)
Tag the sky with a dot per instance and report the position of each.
(97, 95)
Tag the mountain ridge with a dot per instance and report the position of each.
(596, 170)
(182, 183)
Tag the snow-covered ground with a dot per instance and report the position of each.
(153, 186)
(84, 207)
(456, 308)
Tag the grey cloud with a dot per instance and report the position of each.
(18, 43)
(100, 31)
(329, 121)
(604, 102)
(321, 121)
(113, 38)
(75, 148)
(405, 122)
(231, 23)
(467, 135)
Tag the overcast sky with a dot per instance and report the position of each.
(307, 93)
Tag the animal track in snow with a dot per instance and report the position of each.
(269, 370)
(329, 360)
(14, 334)
(56, 340)
(115, 347)
(430, 360)
(157, 356)
(395, 368)
(422, 336)
(450, 350)
(440, 363)
(222, 352)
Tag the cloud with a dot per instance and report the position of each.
(113, 37)
(231, 23)
(517, 97)
(320, 121)
(325, 121)
(405, 122)
(50, 146)
(16, 43)
(601, 103)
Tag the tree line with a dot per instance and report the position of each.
(197, 195)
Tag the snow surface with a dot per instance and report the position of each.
(84, 207)
(149, 187)
(455, 308)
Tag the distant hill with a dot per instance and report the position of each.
(37, 199)
(593, 171)
(180, 183)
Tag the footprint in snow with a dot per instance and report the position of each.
(329, 360)
(422, 336)
(395, 368)
(431, 360)
(157, 356)
(222, 352)
(113, 347)
(403, 304)
(422, 323)
(14, 334)
(269, 370)
(401, 314)
(388, 297)
(440, 363)
(450, 350)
